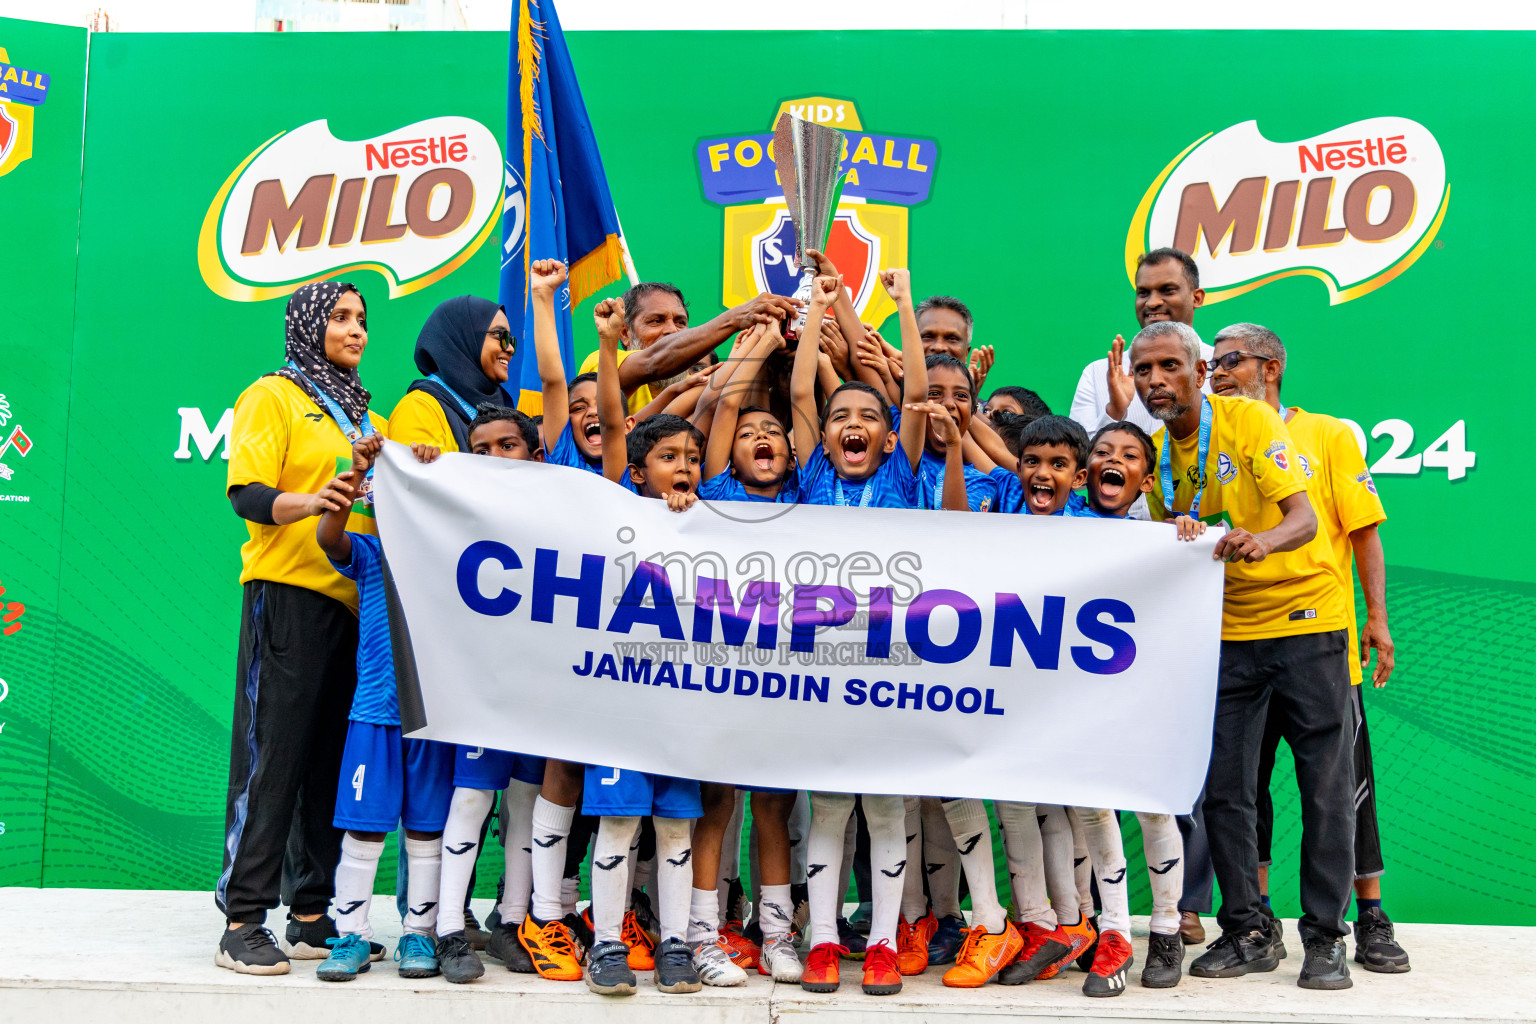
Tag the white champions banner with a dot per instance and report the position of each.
(1047, 660)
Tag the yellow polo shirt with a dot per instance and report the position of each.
(282, 439)
(1250, 466)
(1344, 496)
(419, 419)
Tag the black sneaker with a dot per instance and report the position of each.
(504, 946)
(1277, 939)
(492, 920)
(1376, 947)
(476, 936)
(850, 940)
(1039, 952)
(251, 949)
(1325, 966)
(608, 972)
(306, 940)
(1085, 958)
(581, 933)
(736, 904)
(674, 967)
(1165, 961)
(800, 896)
(457, 960)
(645, 914)
(860, 918)
(1233, 956)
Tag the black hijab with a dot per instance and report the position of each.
(309, 310)
(449, 345)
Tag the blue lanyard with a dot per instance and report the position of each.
(839, 498)
(1203, 451)
(348, 429)
(469, 410)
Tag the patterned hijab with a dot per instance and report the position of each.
(450, 345)
(309, 310)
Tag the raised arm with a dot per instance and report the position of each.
(914, 371)
(873, 368)
(728, 388)
(676, 352)
(802, 379)
(610, 397)
(988, 441)
(547, 277)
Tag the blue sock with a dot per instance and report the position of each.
(1265, 898)
(1362, 905)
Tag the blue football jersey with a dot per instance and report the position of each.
(725, 487)
(893, 485)
(980, 489)
(567, 454)
(375, 701)
(1010, 496)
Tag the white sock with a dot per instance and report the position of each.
(941, 860)
(1165, 867)
(570, 894)
(914, 902)
(674, 875)
(640, 872)
(517, 844)
(424, 858)
(1082, 864)
(887, 819)
(1026, 863)
(775, 911)
(1106, 852)
(830, 818)
(730, 859)
(610, 876)
(355, 873)
(971, 834)
(703, 920)
(1060, 875)
(460, 846)
(550, 829)
(799, 831)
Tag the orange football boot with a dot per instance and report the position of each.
(551, 949)
(1081, 936)
(927, 926)
(983, 955)
(820, 973)
(911, 949)
(642, 954)
(882, 975)
(744, 952)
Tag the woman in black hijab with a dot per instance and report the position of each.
(463, 352)
(297, 664)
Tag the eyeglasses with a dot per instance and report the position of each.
(503, 338)
(1229, 361)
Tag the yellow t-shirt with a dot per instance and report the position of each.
(642, 396)
(1250, 466)
(282, 439)
(419, 419)
(1344, 496)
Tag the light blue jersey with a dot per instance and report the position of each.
(980, 489)
(375, 701)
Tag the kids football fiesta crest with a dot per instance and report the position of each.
(886, 175)
(21, 89)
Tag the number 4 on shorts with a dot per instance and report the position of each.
(357, 781)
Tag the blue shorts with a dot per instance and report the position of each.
(609, 792)
(484, 768)
(386, 780)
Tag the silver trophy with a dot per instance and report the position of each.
(807, 155)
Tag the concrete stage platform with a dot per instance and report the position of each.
(127, 957)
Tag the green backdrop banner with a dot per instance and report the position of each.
(1019, 178)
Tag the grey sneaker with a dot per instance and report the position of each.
(250, 949)
(458, 962)
(674, 967)
(1165, 961)
(1325, 966)
(608, 972)
(1376, 947)
(505, 947)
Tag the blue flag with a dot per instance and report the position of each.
(557, 204)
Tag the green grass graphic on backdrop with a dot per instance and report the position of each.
(144, 809)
